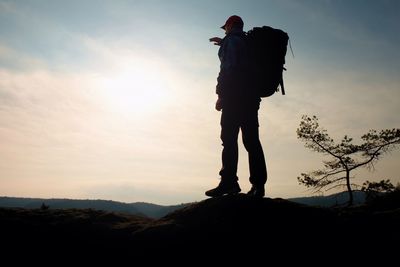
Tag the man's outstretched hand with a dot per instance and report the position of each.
(216, 40)
(218, 104)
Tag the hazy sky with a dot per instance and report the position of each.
(115, 99)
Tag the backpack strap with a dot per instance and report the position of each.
(282, 86)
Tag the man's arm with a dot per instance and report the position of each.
(216, 40)
(229, 63)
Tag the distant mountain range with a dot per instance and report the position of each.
(153, 210)
(331, 200)
(137, 208)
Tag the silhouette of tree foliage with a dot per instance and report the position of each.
(374, 189)
(344, 156)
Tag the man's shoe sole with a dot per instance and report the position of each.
(230, 193)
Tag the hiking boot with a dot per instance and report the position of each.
(224, 188)
(257, 191)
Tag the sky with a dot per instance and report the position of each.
(115, 99)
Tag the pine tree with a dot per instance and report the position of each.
(344, 156)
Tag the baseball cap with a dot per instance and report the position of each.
(233, 19)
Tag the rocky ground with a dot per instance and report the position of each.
(238, 224)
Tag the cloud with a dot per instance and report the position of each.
(57, 130)
(18, 60)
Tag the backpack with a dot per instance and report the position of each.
(266, 51)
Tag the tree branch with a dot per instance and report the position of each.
(335, 186)
(331, 174)
(324, 149)
(372, 157)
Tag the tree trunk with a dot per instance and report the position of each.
(349, 188)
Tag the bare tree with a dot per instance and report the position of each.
(344, 156)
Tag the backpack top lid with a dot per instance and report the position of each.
(268, 41)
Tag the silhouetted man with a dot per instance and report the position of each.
(239, 105)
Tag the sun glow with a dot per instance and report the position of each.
(134, 90)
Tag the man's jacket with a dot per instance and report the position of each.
(233, 57)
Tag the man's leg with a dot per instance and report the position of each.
(257, 165)
(229, 136)
(228, 172)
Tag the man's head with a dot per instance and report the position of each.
(233, 22)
